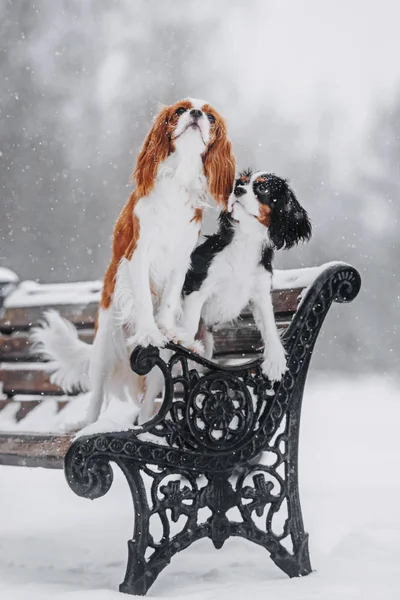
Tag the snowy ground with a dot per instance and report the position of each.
(54, 545)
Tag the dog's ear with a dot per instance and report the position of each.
(220, 165)
(155, 150)
(289, 222)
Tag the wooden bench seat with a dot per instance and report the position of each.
(34, 449)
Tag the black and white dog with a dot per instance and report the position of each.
(233, 268)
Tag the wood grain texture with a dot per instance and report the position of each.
(17, 347)
(22, 318)
(242, 337)
(28, 381)
(34, 450)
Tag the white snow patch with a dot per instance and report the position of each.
(117, 416)
(8, 276)
(30, 293)
(284, 279)
(25, 366)
(57, 546)
(153, 439)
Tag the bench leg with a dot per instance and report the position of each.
(298, 564)
(147, 557)
(258, 490)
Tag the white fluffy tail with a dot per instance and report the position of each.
(57, 339)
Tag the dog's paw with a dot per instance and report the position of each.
(74, 426)
(196, 346)
(274, 365)
(147, 337)
(173, 334)
(181, 337)
(178, 335)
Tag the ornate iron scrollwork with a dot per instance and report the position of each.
(226, 443)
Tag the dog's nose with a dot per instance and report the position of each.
(196, 113)
(240, 191)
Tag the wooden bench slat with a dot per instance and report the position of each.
(22, 318)
(14, 348)
(34, 450)
(240, 338)
(28, 381)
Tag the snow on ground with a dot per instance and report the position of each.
(54, 545)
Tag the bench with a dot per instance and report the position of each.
(29, 401)
(220, 457)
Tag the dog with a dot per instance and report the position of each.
(233, 268)
(186, 156)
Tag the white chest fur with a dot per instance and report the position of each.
(168, 232)
(232, 278)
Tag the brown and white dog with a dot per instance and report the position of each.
(186, 156)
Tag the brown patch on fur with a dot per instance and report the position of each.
(219, 160)
(197, 216)
(125, 237)
(264, 215)
(261, 180)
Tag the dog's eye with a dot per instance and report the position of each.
(211, 118)
(240, 182)
(262, 187)
(180, 110)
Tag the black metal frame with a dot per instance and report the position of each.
(228, 443)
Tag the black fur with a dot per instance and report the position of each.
(267, 257)
(289, 221)
(202, 256)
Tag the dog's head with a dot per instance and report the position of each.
(189, 126)
(270, 200)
